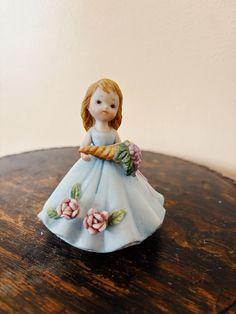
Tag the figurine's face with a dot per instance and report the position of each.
(103, 106)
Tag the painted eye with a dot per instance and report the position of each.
(113, 106)
(98, 102)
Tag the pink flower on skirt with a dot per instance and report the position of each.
(96, 220)
(69, 208)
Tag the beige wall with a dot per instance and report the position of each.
(175, 62)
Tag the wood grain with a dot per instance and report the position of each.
(187, 266)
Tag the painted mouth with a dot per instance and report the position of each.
(104, 112)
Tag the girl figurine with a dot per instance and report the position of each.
(104, 203)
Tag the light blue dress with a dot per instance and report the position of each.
(104, 186)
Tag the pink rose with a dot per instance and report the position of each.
(96, 220)
(69, 208)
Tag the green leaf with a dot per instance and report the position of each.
(127, 159)
(124, 158)
(75, 191)
(121, 155)
(116, 216)
(123, 147)
(123, 150)
(52, 213)
(128, 166)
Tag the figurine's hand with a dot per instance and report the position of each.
(86, 157)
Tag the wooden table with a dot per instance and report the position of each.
(187, 266)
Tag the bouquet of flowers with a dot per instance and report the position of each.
(126, 153)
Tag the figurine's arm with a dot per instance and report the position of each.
(86, 142)
(118, 140)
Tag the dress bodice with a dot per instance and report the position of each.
(100, 138)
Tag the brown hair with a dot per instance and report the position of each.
(106, 85)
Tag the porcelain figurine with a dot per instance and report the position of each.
(104, 203)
